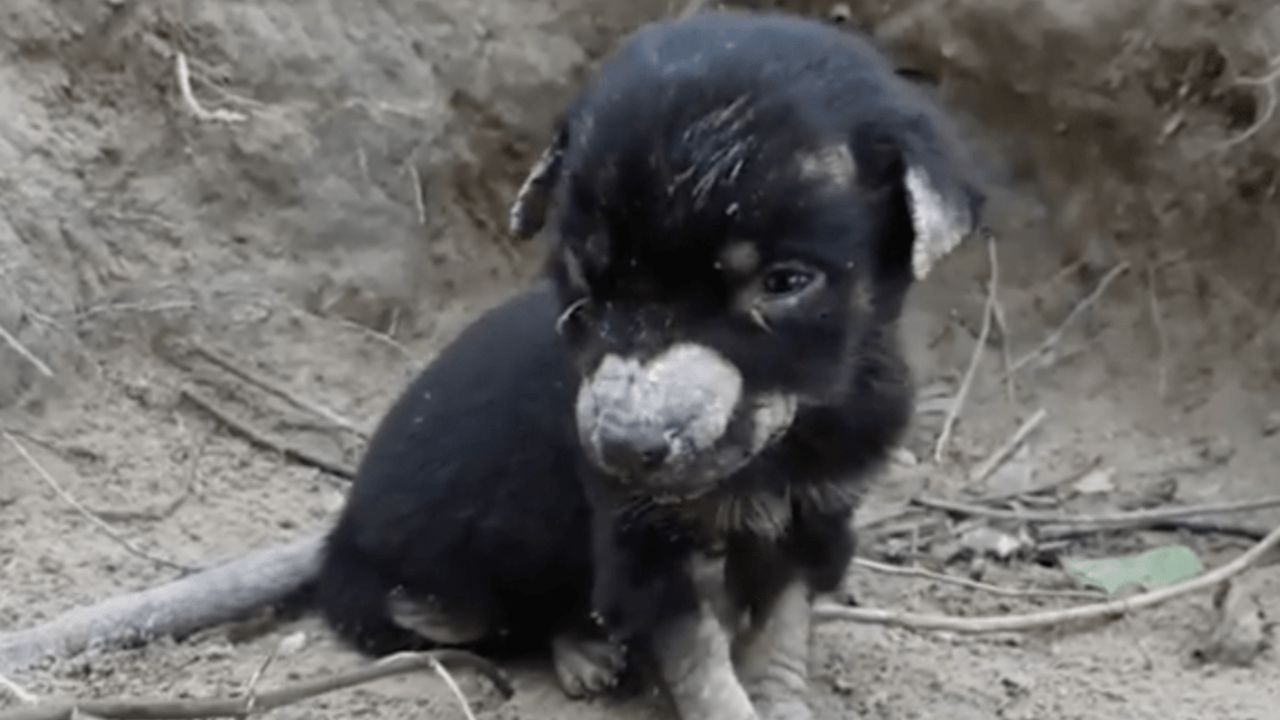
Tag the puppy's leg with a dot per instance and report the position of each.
(585, 663)
(772, 656)
(693, 656)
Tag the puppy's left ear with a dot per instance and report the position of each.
(943, 198)
(529, 211)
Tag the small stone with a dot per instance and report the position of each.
(1271, 425)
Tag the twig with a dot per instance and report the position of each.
(251, 689)
(452, 684)
(1052, 618)
(1039, 489)
(1268, 84)
(1088, 301)
(26, 354)
(988, 310)
(419, 193)
(693, 7)
(154, 709)
(85, 512)
(997, 458)
(919, 572)
(189, 97)
(261, 439)
(253, 377)
(1135, 518)
(1162, 344)
(22, 694)
(1050, 533)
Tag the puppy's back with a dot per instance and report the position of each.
(467, 493)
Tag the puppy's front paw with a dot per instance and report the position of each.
(586, 666)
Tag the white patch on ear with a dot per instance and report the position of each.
(940, 225)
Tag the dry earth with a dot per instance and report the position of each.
(352, 221)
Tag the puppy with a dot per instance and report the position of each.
(661, 447)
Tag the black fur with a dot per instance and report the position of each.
(475, 491)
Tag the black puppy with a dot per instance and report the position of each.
(663, 448)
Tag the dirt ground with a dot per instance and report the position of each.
(348, 219)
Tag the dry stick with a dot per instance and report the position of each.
(85, 512)
(26, 354)
(1050, 533)
(957, 405)
(189, 97)
(1135, 518)
(452, 684)
(693, 7)
(1268, 84)
(919, 572)
(22, 694)
(155, 709)
(261, 439)
(1002, 453)
(275, 388)
(1162, 344)
(219, 594)
(1052, 618)
(1056, 336)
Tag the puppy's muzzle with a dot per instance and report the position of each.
(676, 423)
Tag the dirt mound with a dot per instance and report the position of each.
(326, 206)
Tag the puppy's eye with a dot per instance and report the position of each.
(787, 280)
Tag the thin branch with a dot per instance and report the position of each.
(85, 512)
(1162, 342)
(255, 378)
(261, 439)
(1088, 301)
(155, 709)
(1268, 84)
(22, 694)
(1002, 453)
(918, 572)
(452, 684)
(1136, 518)
(1052, 618)
(693, 7)
(26, 354)
(189, 97)
(1050, 533)
(988, 311)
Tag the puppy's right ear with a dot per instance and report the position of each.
(529, 211)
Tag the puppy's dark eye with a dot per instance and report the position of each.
(787, 280)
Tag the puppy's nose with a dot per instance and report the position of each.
(633, 451)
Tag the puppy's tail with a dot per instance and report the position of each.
(352, 596)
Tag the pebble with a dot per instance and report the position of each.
(1271, 425)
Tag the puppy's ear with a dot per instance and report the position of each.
(529, 211)
(943, 199)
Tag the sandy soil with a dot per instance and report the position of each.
(352, 223)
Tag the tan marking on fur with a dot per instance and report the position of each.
(772, 658)
(428, 620)
(860, 299)
(832, 164)
(694, 662)
(827, 496)
(740, 258)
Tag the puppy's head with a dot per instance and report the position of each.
(737, 206)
